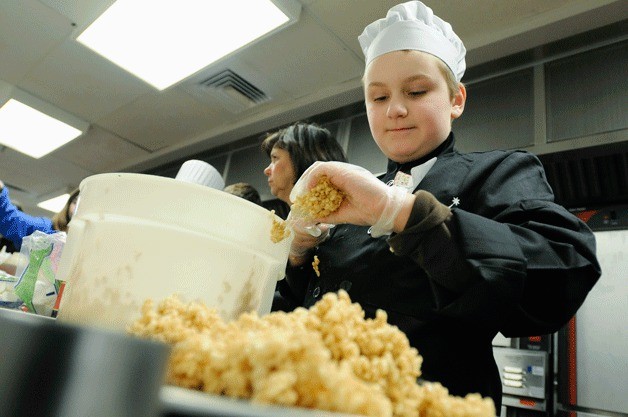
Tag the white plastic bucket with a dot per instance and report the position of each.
(136, 237)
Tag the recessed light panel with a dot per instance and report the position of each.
(165, 41)
(55, 204)
(32, 132)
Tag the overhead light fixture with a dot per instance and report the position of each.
(55, 204)
(32, 126)
(163, 42)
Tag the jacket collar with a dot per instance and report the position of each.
(444, 148)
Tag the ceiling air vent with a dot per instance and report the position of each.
(233, 91)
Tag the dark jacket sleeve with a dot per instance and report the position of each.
(290, 291)
(15, 225)
(509, 257)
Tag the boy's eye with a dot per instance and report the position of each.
(379, 98)
(417, 93)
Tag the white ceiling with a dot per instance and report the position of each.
(313, 66)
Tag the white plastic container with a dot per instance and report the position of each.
(136, 237)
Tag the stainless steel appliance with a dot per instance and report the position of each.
(525, 378)
(527, 374)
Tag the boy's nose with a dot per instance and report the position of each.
(397, 109)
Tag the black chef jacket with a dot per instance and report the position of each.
(530, 264)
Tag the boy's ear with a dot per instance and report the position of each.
(458, 101)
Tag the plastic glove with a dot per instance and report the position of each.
(302, 222)
(368, 201)
(306, 236)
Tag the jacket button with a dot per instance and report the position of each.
(316, 292)
(346, 285)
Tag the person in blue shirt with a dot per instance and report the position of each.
(15, 224)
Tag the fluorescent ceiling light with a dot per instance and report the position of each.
(32, 132)
(165, 41)
(55, 204)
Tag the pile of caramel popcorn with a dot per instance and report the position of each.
(328, 357)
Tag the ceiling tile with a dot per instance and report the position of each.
(28, 32)
(80, 12)
(303, 58)
(347, 19)
(159, 120)
(82, 82)
(38, 177)
(99, 151)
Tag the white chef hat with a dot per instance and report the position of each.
(200, 172)
(413, 25)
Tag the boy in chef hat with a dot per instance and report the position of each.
(411, 42)
(457, 247)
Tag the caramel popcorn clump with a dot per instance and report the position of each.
(278, 230)
(315, 265)
(321, 200)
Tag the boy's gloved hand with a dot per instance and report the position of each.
(368, 201)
